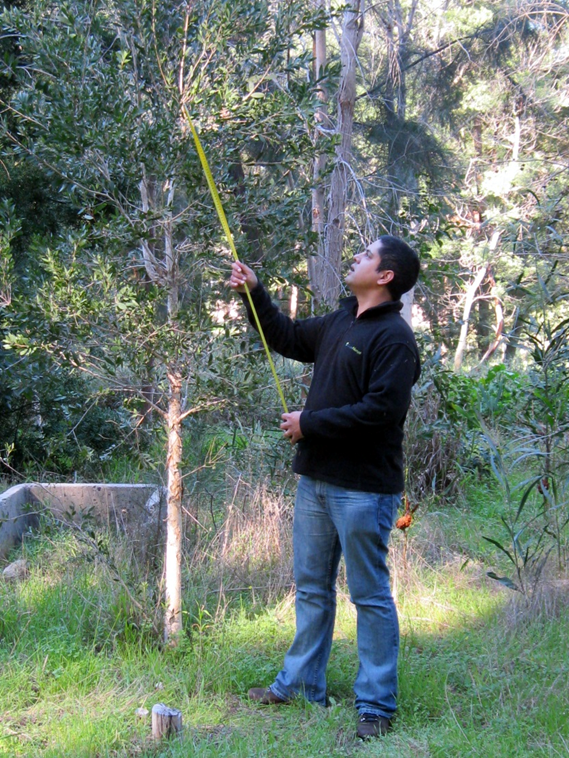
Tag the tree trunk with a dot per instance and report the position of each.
(326, 283)
(483, 326)
(165, 271)
(407, 312)
(317, 263)
(519, 106)
(470, 293)
(401, 173)
(511, 344)
(499, 310)
(173, 561)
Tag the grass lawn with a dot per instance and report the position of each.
(481, 673)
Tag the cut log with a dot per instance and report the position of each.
(166, 722)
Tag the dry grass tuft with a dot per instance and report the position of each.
(549, 599)
(252, 550)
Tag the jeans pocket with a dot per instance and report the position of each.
(396, 506)
(387, 509)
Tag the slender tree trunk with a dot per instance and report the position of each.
(401, 173)
(470, 293)
(518, 111)
(351, 37)
(173, 561)
(327, 280)
(407, 311)
(511, 339)
(317, 263)
(499, 310)
(484, 312)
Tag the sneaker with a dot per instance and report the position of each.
(265, 696)
(372, 725)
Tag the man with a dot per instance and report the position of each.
(350, 460)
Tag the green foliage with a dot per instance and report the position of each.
(131, 291)
(449, 413)
(247, 114)
(39, 207)
(493, 396)
(46, 427)
(9, 230)
(538, 512)
(50, 427)
(433, 161)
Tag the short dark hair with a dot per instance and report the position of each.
(397, 256)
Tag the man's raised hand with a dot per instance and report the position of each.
(242, 275)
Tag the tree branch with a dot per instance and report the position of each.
(422, 58)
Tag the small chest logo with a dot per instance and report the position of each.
(355, 349)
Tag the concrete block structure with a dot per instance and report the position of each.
(135, 510)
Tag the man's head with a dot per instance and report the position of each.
(388, 264)
(396, 255)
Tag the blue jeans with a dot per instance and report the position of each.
(329, 521)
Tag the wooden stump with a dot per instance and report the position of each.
(166, 722)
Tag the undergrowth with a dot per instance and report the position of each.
(482, 671)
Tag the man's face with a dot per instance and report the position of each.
(363, 274)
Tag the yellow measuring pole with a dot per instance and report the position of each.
(226, 229)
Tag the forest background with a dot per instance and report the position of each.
(123, 355)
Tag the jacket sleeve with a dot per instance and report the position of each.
(394, 371)
(292, 339)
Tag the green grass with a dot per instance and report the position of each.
(480, 674)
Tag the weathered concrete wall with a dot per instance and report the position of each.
(136, 510)
(15, 517)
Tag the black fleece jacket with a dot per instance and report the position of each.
(364, 368)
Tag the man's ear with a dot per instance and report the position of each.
(384, 277)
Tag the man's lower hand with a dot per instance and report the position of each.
(291, 426)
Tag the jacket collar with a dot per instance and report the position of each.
(351, 304)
